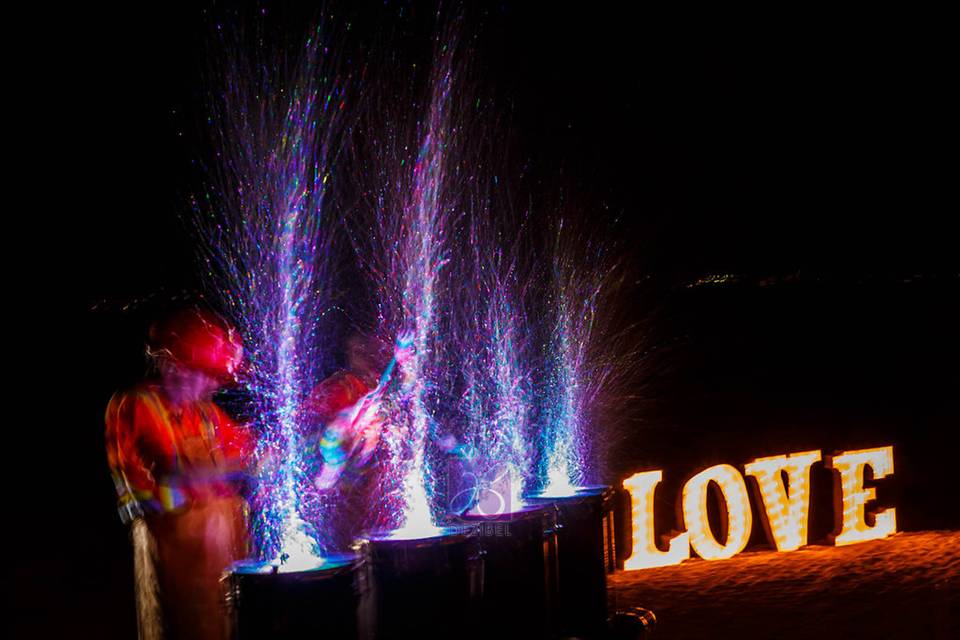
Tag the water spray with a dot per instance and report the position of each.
(471, 362)
(265, 221)
(263, 603)
(267, 241)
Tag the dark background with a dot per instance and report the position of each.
(805, 153)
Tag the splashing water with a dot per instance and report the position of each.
(558, 479)
(499, 400)
(509, 441)
(418, 293)
(405, 257)
(299, 551)
(564, 418)
(460, 318)
(267, 251)
(572, 376)
(418, 521)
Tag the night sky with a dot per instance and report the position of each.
(811, 152)
(751, 143)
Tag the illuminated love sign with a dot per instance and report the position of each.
(786, 506)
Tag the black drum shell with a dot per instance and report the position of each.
(304, 604)
(520, 581)
(585, 553)
(420, 588)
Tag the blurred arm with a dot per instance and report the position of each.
(129, 467)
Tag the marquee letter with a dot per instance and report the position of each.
(645, 553)
(735, 512)
(786, 510)
(850, 504)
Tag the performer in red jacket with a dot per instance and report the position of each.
(176, 460)
(346, 413)
(346, 408)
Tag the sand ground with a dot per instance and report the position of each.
(907, 586)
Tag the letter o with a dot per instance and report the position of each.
(736, 503)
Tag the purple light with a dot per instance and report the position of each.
(266, 244)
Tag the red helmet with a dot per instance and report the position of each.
(198, 339)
